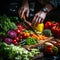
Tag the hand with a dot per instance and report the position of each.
(24, 10)
(39, 18)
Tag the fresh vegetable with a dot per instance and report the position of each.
(31, 41)
(40, 27)
(54, 23)
(18, 31)
(8, 40)
(12, 34)
(13, 52)
(56, 31)
(48, 25)
(47, 32)
(6, 24)
(55, 50)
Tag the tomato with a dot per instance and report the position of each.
(16, 38)
(20, 40)
(27, 34)
(48, 25)
(24, 35)
(20, 27)
(18, 31)
(20, 37)
(16, 43)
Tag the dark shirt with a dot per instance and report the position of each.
(55, 3)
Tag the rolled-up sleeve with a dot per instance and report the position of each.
(55, 3)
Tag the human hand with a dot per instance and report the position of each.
(39, 18)
(24, 10)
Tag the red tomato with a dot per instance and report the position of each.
(48, 25)
(16, 38)
(18, 31)
(20, 40)
(20, 37)
(14, 41)
(24, 36)
(20, 27)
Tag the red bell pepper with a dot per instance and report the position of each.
(48, 25)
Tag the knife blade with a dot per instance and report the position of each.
(24, 21)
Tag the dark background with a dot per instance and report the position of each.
(5, 5)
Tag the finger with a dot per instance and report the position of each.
(34, 20)
(41, 20)
(23, 12)
(38, 21)
(20, 12)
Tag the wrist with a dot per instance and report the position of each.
(48, 7)
(45, 10)
(25, 2)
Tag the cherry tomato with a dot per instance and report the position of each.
(14, 41)
(20, 37)
(20, 40)
(18, 31)
(27, 34)
(24, 36)
(20, 27)
(16, 38)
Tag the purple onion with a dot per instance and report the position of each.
(12, 34)
(8, 40)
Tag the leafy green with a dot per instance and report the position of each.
(6, 24)
(16, 52)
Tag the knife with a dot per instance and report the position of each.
(29, 25)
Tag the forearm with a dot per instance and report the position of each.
(25, 1)
(49, 7)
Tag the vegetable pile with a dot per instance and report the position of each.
(12, 52)
(54, 27)
(52, 47)
(14, 34)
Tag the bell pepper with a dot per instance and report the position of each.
(56, 31)
(40, 27)
(48, 25)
